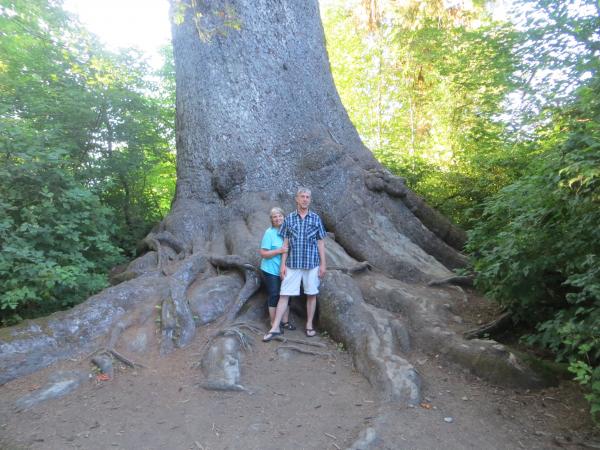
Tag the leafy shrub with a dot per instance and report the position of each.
(54, 235)
(537, 248)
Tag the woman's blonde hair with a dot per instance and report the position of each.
(276, 210)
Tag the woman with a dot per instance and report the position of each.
(271, 249)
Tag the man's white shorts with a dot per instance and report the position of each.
(290, 285)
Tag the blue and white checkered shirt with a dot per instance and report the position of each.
(303, 235)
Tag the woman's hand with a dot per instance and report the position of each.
(283, 250)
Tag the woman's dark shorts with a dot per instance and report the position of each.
(273, 285)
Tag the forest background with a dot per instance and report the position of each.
(494, 121)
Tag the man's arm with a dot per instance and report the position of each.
(321, 235)
(284, 256)
(323, 265)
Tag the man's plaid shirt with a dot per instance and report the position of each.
(303, 235)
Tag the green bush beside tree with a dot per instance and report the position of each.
(536, 249)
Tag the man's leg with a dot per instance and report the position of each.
(311, 307)
(286, 314)
(273, 311)
(310, 279)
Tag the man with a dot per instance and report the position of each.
(303, 234)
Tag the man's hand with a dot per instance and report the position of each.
(322, 270)
(282, 271)
(323, 264)
(283, 249)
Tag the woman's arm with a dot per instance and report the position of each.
(268, 254)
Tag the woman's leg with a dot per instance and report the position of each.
(286, 314)
(272, 285)
(282, 307)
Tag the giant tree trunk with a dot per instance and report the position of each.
(257, 111)
(258, 115)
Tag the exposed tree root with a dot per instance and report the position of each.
(168, 248)
(245, 341)
(221, 363)
(248, 326)
(284, 340)
(179, 282)
(124, 360)
(371, 335)
(118, 356)
(168, 239)
(355, 268)
(429, 313)
(251, 285)
(460, 280)
(380, 180)
(303, 351)
(496, 326)
(34, 345)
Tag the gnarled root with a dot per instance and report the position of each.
(457, 280)
(379, 180)
(252, 280)
(303, 351)
(373, 336)
(34, 345)
(178, 327)
(496, 326)
(221, 363)
(164, 248)
(429, 313)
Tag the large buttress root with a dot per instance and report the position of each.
(36, 344)
(429, 312)
(251, 277)
(375, 337)
(177, 321)
(382, 181)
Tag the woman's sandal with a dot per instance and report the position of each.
(310, 332)
(288, 326)
(271, 335)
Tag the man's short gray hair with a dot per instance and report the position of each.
(303, 190)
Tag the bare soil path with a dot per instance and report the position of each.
(295, 401)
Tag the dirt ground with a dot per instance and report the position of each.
(295, 401)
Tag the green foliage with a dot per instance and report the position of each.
(54, 234)
(557, 51)
(424, 86)
(114, 121)
(87, 161)
(537, 248)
